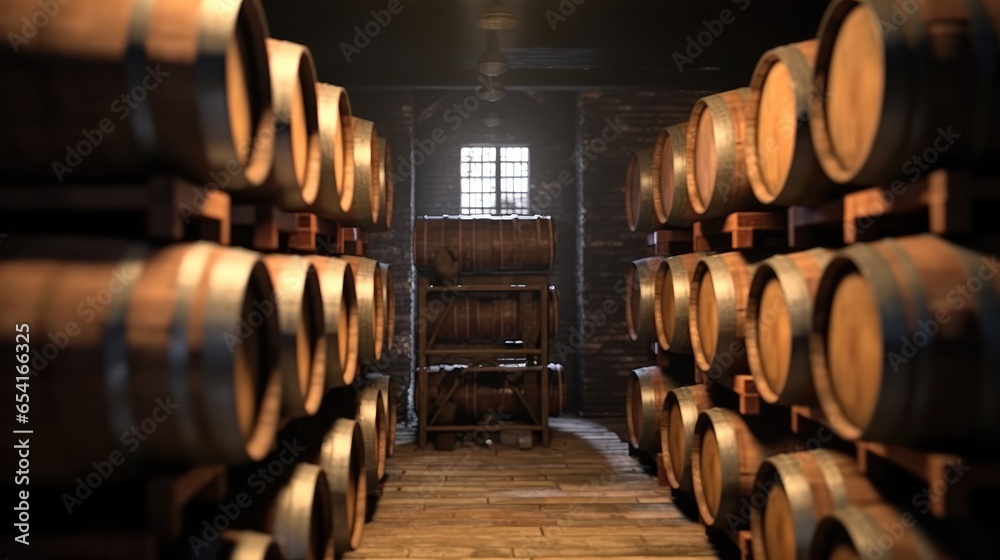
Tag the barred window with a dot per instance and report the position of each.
(484, 168)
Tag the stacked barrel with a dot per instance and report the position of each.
(140, 361)
(485, 314)
(891, 344)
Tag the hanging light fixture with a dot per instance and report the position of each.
(492, 62)
(491, 91)
(497, 18)
(493, 118)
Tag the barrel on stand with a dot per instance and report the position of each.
(383, 218)
(717, 314)
(371, 314)
(480, 396)
(367, 203)
(781, 161)
(374, 432)
(779, 323)
(388, 304)
(640, 298)
(643, 208)
(340, 319)
(672, 302)
(342, 458)
(716, 155)
(199, 102)
(801, 489)
(301, 360)
(670, 159)
(483, 244)
(888, 101)
(293, 183)
(862, 532)
(644, 396)
(893, 321)
(388, 389)
(335, 196)
(296, 510)
(681, 409)
(724, 462)
(178, 330)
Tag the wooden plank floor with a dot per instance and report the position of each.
(583, 497)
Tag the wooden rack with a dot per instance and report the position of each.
(529, 358)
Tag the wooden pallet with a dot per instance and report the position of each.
(741, 230)
(742, 385)
(172, 209)
(942, 202)
(667, 242)
(266, 228)
(951, 479)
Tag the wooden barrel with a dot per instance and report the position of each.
(197, 103)
(553, 310)
(367, 168)
(481, 319)
(724, 461)
(335, 196)
(781, 162)
(647, 389)
(717, 314)
(125, 334)
(371, 301)
(302, 349)
(893, 321)
(670, 159)
(340, 319)
(643, 208)
(388, 388)
(716, 156)
(670, 308)
(374, 432)
(245, 545)
(383, 220)
(796, 491)
(480, 397)
(342, 458)
(293, 183)
(640, 298)
(779, 323)
(879, 109)
(681, 409)
(863, 532)
(388, 304)
(484, 244)
(301, 515)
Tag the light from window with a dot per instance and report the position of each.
(480, 171)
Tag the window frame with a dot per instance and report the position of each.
(497, 209)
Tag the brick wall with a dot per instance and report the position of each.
(607, 355)
(392, 114)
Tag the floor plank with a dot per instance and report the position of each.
(582, 497)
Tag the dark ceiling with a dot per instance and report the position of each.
(561, 44)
